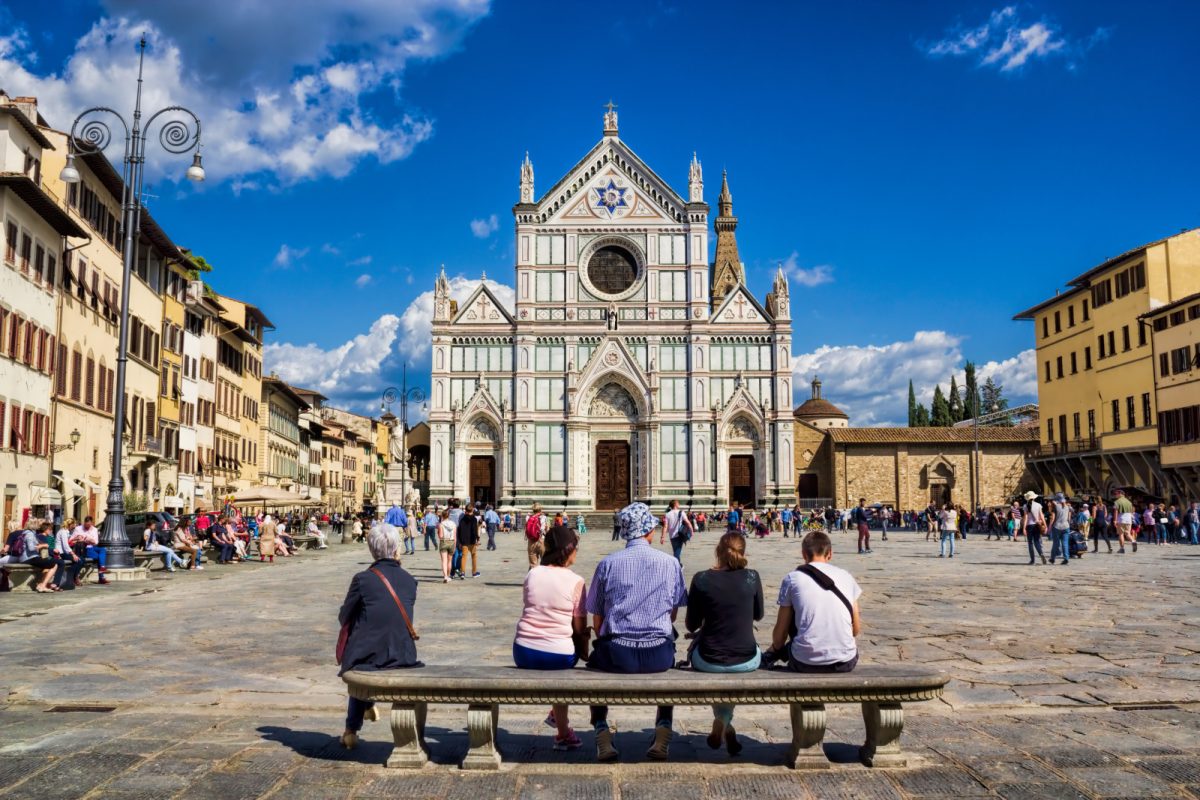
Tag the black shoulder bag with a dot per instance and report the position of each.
(826, 583)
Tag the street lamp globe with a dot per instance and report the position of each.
(69, 174)
(195, 172)
(75, 437)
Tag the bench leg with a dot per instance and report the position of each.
(481, 732)
(808, 730)
(408, 733)
(884, 722)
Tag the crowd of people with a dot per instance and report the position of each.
(60, 552)
(622, 621)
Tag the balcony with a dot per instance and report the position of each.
(1070, 447)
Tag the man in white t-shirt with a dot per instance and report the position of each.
(676, 527)
(825, 621)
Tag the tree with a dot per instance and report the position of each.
(956, 403)
(993, 398)
(939, 414)
(921, 417)
(912, 405)
(971, 393)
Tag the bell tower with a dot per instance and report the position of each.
(727, 266)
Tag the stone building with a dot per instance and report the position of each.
(35, 230)
(630, 367)
(1176, 342)
(906, 468)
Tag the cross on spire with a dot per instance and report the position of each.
(610, 119)
(610, 106)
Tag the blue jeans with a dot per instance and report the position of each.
(1060, 540)
(431, 537)
(677, 548)
(1194, 528)
(947, 536)
(491, 532)
(98, 554)
(168, 555)
(528, 658)
(1033, 539)
(1162, 533)
(720, 711)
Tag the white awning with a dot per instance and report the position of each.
(172, 501)
(42, 496)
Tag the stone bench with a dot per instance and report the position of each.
(305, 542)
(880, 690)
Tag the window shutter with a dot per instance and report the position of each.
(89, 397)
(3, 408)
(76, 374)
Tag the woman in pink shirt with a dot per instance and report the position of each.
(553, 632)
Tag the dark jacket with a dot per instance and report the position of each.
(378, 637)
(468, 530)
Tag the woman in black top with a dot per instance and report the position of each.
(723, 605)
(379, 632)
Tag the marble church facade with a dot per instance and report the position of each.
(631, 367)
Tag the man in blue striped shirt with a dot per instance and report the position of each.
(633, 600)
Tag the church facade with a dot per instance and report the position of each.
(630, 368)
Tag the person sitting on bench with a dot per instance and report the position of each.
(818, 608)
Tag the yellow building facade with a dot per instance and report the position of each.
(1096, 382)
(1175, 330)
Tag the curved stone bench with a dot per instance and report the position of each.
(880, 690)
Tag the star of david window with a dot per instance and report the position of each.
(612, 269)
(610, 197)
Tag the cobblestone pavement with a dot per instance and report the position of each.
(1077, 681)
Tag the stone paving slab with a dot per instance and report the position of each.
(1077, 682)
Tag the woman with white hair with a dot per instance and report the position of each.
(378, 610)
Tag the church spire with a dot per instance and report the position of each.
(727, 266)
(695, 181)
(526, 179)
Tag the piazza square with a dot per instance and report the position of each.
(385, 414)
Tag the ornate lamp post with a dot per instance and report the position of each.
(92, 136)
(404, 394)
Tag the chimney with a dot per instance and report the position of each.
(28, 107)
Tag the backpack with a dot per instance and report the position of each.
(533, 528)
(18, 547)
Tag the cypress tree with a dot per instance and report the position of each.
(971, 394)
(955, 400)
(939, 414)
(922, 416)
(912, 405)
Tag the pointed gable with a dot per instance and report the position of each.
(740, 307)
(482, 308)
(611, 182)
(613, 361)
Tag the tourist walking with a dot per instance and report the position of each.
(1060, 528)
(535, 529)
(430, 522)
(862, 517)
(468, 542)
(678, 528)
(377, 615)
(723, 604)
(616, 535)
(948, 519)
(491, 521)
(1035, 526)
(634, 597)
(1100, 526)
(1191, 522)
(1123, 515)
(447, 534)
(552, 633)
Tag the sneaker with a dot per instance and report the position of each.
(445, 580)
(605, 752)
(568, 742)
(476, 575)
(199, 567)
(550, 721)
(660, 749)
